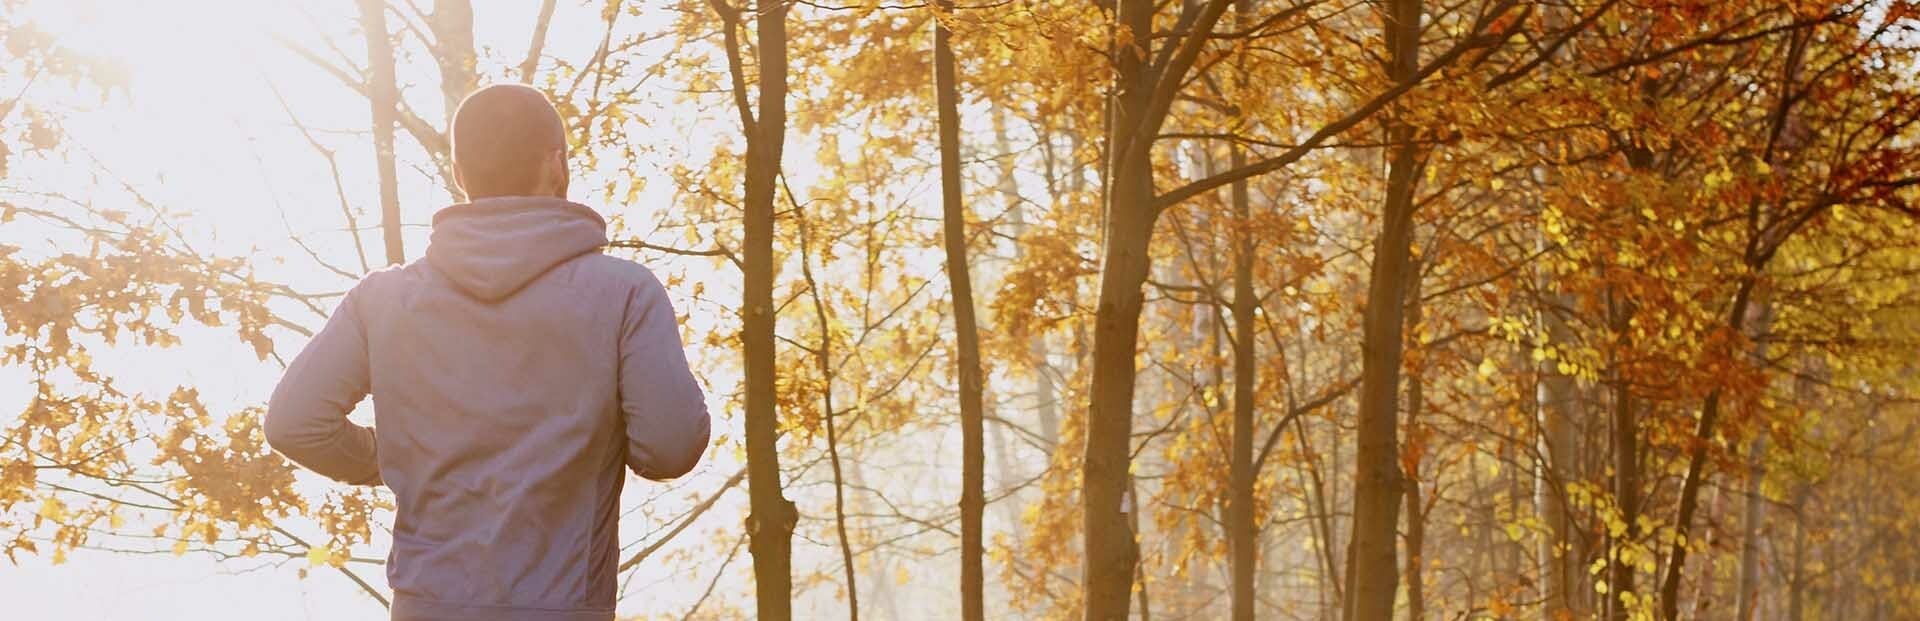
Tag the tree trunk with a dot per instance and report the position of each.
(972, 413)
(1626, 484)
(538, 43)
(1515, 550)
(1485, 564)
(771, 522)
(384, 97)
(824, 359)
(1109, 547)
(452, 25)
(1045, 395)
(1139, 571)
(1320, 523)
(1339, 573)
(1242, 536)
(1696, 470)
(1625, 468)
(1564, 563)
(1756, 263)
(1748, 589)
(1416, 515)
(1797, 576)
(1371, 554)
(1557, 409)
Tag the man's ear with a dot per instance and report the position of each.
(460, 181)
(557, 167)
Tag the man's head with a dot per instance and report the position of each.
(508, 140)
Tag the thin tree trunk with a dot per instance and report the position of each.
(1748, 589)
(1565, 565)
(1372, 557)
(531, 62)
(1484, 561)
(1626, 482)
(1045, 395)
(1416, 515)
(1516, 551)
(384, 96)
(884, 591)
(1242, 536)
(452, 25)
(1710, 409)
(770, 524)
(1690, 486)
(1556, 422)
(824, 358)
(1797, 578)
(1139, 571)
(1337, 528)
(1320, 522)
(1333, 578)
(972, 412)
(1416, 541)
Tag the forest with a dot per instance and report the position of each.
(1342, 310)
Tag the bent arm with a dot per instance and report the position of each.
(307, 416)
(664, 411)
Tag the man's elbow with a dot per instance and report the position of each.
(672, 469)
(676, 462)
(284, 432)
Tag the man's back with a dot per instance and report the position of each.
(514, 372)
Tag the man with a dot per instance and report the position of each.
(514, 371)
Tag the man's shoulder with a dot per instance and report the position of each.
(376, 282)
(603, 269)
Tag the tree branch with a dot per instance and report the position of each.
(1298, 411)
(1196, 188)
(532, 61)
(686, 521)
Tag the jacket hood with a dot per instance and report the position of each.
(493, 247)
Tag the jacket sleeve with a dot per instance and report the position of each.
(663, 410)
(307, 416)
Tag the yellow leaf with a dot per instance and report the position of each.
(53, 509)
(1488, 368)
(318, 555)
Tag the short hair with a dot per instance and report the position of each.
(502, 134)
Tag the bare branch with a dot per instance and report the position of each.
(692, 515)
(532, 61)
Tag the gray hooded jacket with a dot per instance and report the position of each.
(516, 374)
